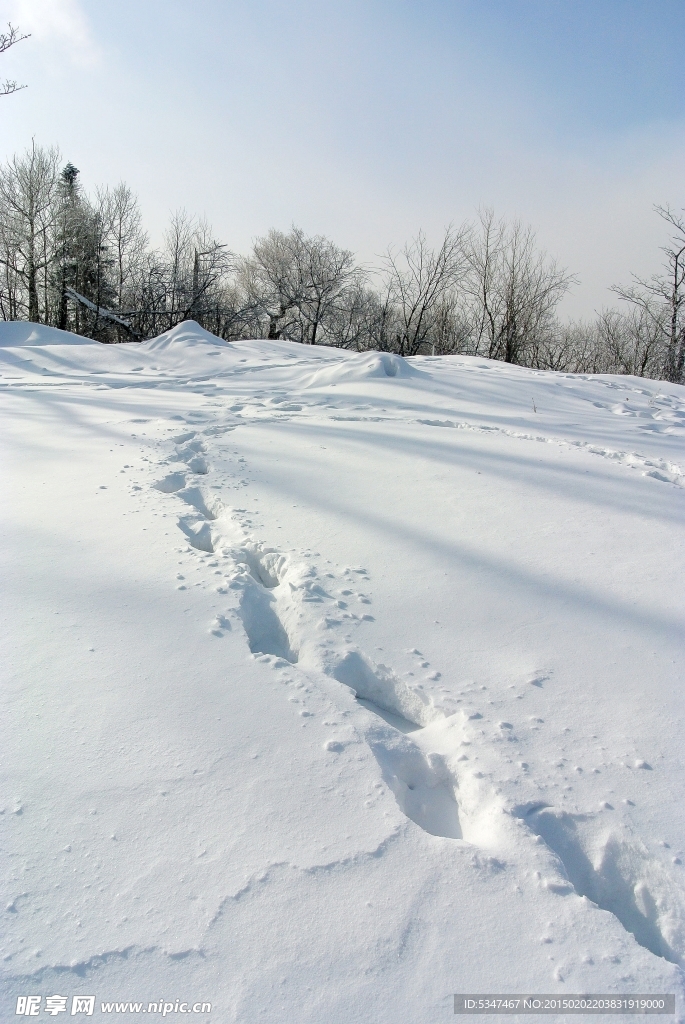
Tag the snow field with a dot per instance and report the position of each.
(383, 696)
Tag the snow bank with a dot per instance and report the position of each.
(16, 334)
(187, 350)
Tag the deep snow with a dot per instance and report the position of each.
(335, 684)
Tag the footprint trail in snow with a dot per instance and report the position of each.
(445, 761)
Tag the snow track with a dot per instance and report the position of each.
(421, 746)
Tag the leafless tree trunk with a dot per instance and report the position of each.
(195, 264)
(351, 320)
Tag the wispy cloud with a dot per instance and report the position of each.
(60, 25)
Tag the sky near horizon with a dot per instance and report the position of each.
(367, 121)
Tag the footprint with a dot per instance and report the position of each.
(414, 742)
(264, 566)
(192, 448)
(618, 876)
(193, 496)
(422, 787)
(402, 725)
(171, 483)
(199, 534)
(264, 629)
(382, 687)
(277, 600)
(198, 465)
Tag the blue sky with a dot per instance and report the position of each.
(366, 121)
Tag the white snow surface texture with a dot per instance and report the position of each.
(335, 684)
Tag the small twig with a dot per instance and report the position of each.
(11, 37)
(7, 87)
(7, 39)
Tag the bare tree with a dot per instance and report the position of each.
(83, 264)
(325, 270)
(178, 257)
(7, 39)
(100, 261)
(353, 318)
(128, 243)
(273, 282)
(482, 283)
(188, 271)
(451, 333)
(576, 347)
(297, 284)
(28, 210)
(631, 342)
(417, 281)
(151, 314)
(661, 299)
(211, 262)
(514, 291)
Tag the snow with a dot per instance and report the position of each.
(336, 684)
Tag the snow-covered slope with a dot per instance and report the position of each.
(336, 684)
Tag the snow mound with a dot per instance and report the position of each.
(187, 351)
(363, 366)
(16, 334)
(187, 334)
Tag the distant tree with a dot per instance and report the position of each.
(196, 264)
(325, 270)
(28, 211)
(65, 271)
(660, 299)
(417, 281)
(581, 347)
(7, 39)
(98, 263)
(186, 280)
(632, 342)
(352, 319)
(514, 290)
(128, 244)
(273, 282)
(451, 332)
(297, 283)
(82, 262)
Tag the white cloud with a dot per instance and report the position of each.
(60, 25)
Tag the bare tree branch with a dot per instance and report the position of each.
(7, 39)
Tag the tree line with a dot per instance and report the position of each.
(83, 263)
